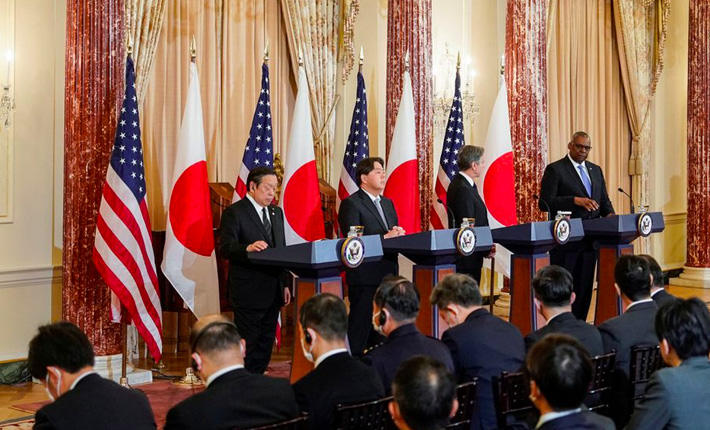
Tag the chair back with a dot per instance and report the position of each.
(510, 394)
(466, 395)
(365, 416)
(300, 423)
(598, 394)
(644, 361)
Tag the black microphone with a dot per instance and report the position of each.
(621, 190)
(549, 211)
(448, 211)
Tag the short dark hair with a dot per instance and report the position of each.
(424, 390)
(562, 370)
(553, 286)
(633, 277)
(257, 174)
(399, 296)
(326, 314)
(62, 345)
(458, 289)
(219, 335)
(685, 324)
(659, 279)
(365, 166)
(469, 154)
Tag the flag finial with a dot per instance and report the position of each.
(406, 61)
(300, 57)
(129, 47)
(193, 49)
(266, 51)
(458, 61)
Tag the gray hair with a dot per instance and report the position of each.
(468, 155)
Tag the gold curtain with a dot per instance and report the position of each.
(313, 31)
(585, 91)
(144, 21)
(230, 36)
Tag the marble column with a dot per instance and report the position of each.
(409, 29)
(95, 67)
(697, 267)
(526, 79)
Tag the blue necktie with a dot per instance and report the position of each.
(585, 180)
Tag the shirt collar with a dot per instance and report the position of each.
(576, 164)
(653, 293)
(257, 206)
(648, 300)
(330, 353)
(555, 415)
(76, 381)
(217, 374)
(467, 178)
(373, 198)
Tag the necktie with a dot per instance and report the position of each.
(265, 221)
(382, 213)
(585, 179)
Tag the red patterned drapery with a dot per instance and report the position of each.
(526, 79)
(409, 29)
(95, 67)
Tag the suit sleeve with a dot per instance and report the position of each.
(529, 341)
(460, 205)
(301, 399)
(42, 421)
(549, 193)
(652, 411)
(230, 247)
(605, 206)
(455, 355)
(609, 339)
(347, 216)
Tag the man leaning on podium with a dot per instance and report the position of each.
(573, 184)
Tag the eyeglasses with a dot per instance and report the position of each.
(580, 147)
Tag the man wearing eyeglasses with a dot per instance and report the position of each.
(576, 185)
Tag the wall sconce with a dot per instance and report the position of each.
(7, 102)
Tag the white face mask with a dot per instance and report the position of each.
(307, 353)
(59, 384)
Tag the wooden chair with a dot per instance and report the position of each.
(644, 361)
(365, 416)
(300, 423)
(510, 394)
(466, 395)
(600, 387)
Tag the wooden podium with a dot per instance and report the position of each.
(434, 253)
(530, 244)
(613, 236)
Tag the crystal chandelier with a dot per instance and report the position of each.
(444, 78)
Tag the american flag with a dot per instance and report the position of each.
(453, 141)
(260, 146)
(123, 250)
(357, 146)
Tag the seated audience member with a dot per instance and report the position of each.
(424, 395)
(658, 290)
(559, 370)
(62, 357)
(395, 310)
(678, 397)
(482, 345)
(233, 397)
(553, 298)
(633, 328)
(337, 378)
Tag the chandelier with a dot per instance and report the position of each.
(444, 77)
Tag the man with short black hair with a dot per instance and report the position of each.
(559, 370)
(424, 395)
(678, 397)
(553, 287)
(62, 358)
(658, 285)
(395, 310)
(481, 345)
(368, 208)
(256, 292)
(337, 377)
(633, 328)
(233, 397)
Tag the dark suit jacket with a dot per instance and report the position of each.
(561, 184)
(338, 380)
(636, 327)
(359, 209)
(662, 297)
(585, 420)
(676, 398)
(482, 347)
(237, 399)
(464, 201)
(251, 286)
(402, 344)
(567, 323)
(97, 403)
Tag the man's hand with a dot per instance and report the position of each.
(588, 204)
(493, 252)
(396, 231)
(287, 296)
(257, 246)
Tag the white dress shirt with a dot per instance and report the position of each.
(221, 372)
(329, 354)
(468, 178)
(638, 302)
(576, 169)
(76, 381)
(554, 415)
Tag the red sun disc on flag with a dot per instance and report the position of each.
(302, 205)
(499, 190)
(190, 212)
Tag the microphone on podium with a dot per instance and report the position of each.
(549, 211)
(621, 190)
(449, 212)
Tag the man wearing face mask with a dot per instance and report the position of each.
(395, 309)
(62, 357)
(337, 378)
(482, 345)
(234, 398)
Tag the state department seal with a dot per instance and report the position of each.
(562, 230)
(465, 241)
(352, 252)
(645, 224)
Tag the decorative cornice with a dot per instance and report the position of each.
(30, 276)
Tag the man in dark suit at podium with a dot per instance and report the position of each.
(575, 185)
(256, 292)
(464, 201)
(368, 208)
